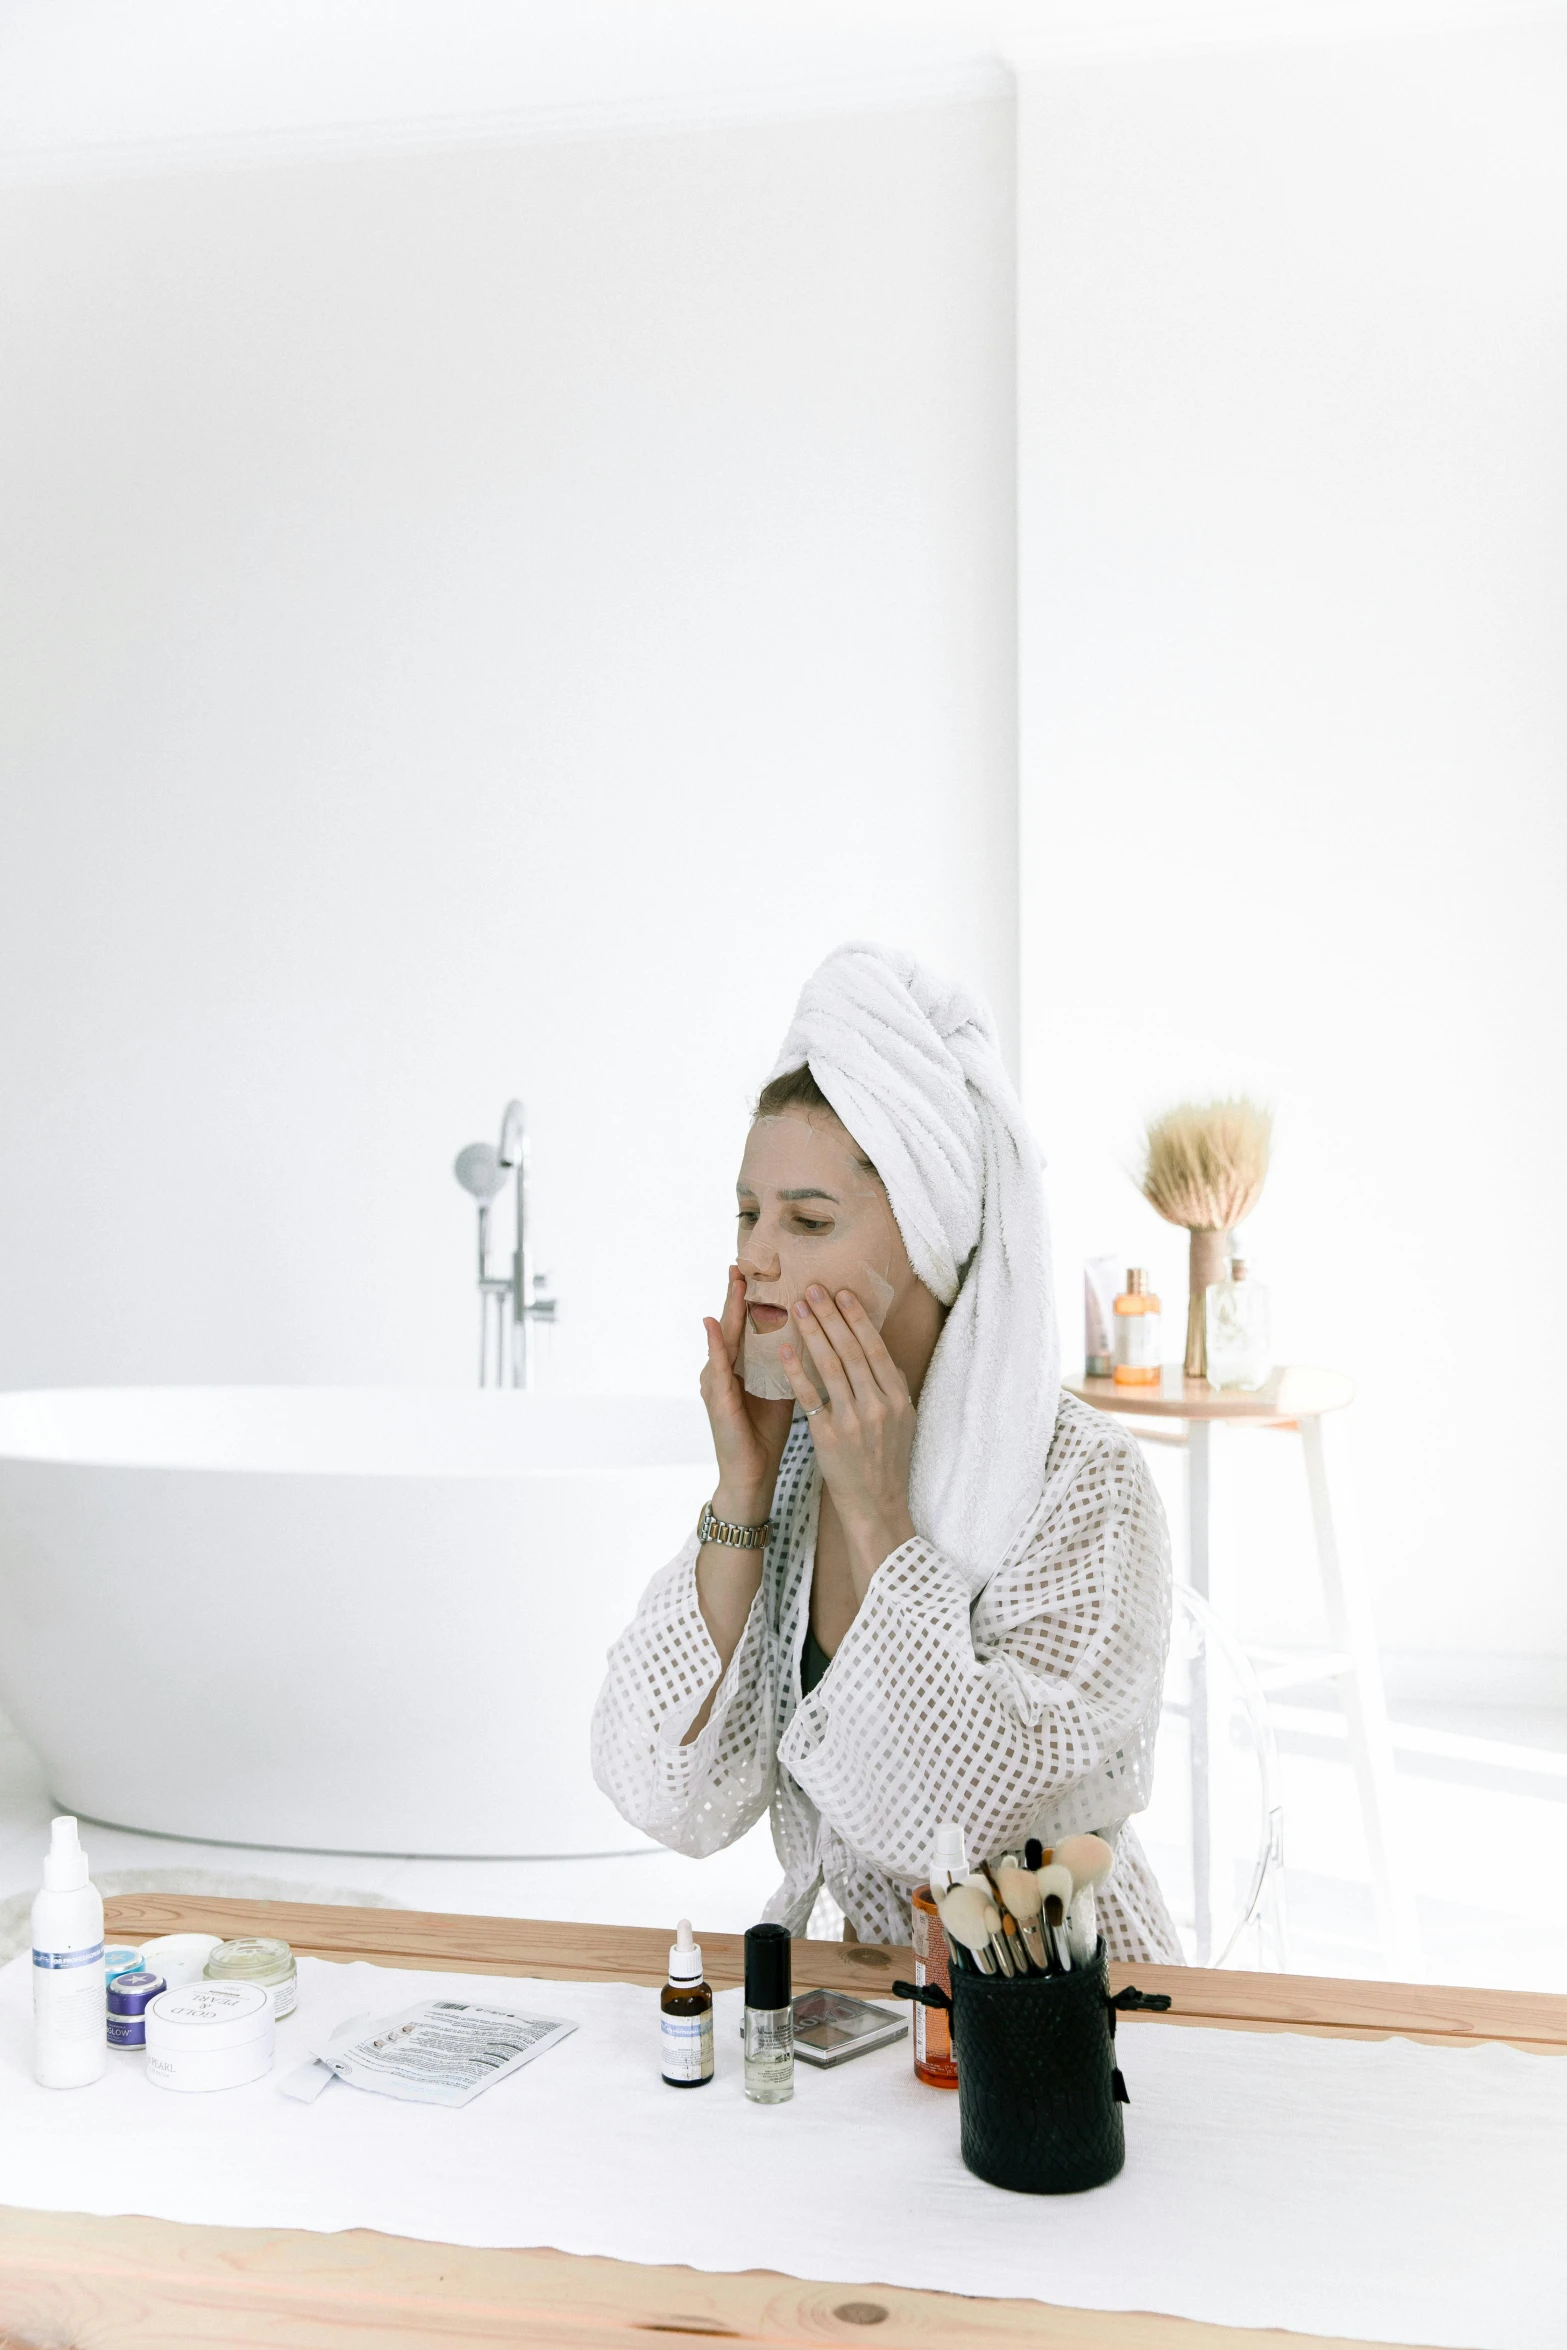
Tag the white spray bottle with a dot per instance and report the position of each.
(70, 2027)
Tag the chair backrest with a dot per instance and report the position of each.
(1214, 1831)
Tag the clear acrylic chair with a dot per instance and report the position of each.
(1214, 1832)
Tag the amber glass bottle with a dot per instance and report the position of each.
(685, 2021)
(933, 2058)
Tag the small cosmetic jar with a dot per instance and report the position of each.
(210, 2036)
(179, 1958)
(120, 1959)
(128, 2000)
(258, 1958)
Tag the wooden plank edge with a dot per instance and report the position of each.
(129, 2284)
(438, 1941)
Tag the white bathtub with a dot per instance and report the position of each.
(331, 1618)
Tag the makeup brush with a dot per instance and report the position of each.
(1090, 1860)
(999, 1944)
(980, 1881)
(962, 1915)
(1033, 1854)
(1019, 1889)
(1055, 1893)
(1017, 1947)
(998, 1940)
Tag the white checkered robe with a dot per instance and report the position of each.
(1028, 1711)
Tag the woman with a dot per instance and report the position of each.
(928, 1586)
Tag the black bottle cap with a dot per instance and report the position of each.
(767, 1972)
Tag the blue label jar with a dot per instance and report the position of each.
(127, 2005)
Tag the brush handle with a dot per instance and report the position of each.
(1082, 1927)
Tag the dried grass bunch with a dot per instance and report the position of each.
(1206, 1163)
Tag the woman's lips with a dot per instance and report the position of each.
(766, 1319)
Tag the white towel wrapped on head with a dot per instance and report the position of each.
(910, 1065)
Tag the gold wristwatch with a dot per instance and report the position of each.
(711, 1529)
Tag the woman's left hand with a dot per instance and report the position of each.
(862, 1425)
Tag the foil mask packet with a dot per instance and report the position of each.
(437, 2052)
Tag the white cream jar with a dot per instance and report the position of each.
(258, 1958)
(210, 2036)
(179, 1958)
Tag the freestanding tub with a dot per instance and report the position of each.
(337, 1619)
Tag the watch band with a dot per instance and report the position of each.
(711, 1529)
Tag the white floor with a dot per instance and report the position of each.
(1484, 1837)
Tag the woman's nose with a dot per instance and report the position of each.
(757, 1261)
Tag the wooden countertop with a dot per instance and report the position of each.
(142, 2284)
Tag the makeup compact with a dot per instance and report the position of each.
(830, 2028)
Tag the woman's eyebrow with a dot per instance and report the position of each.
(810, 1193)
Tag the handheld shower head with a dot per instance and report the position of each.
(479, 1170)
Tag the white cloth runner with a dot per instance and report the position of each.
(1383, 2190)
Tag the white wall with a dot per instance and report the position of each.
(485, 620)
(1293, 529)
(479, 622)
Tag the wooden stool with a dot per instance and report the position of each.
(1182, 1412)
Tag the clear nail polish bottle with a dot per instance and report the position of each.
(769, 2017)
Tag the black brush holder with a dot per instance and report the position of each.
(1039, 2091)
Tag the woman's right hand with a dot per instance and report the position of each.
(749, 1431)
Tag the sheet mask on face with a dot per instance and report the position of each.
(840, 1235)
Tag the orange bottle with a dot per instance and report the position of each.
(933, 2059)
(1137, 1348)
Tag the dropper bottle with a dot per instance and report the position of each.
(685, 2023)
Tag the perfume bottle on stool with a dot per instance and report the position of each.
(1137, 1333)
(1239, 1354)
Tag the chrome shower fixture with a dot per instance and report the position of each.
(513, 1300)
(479, 1170)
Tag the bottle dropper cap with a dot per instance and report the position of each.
(767, 1971)
(65, 1863)
(685, 1956)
